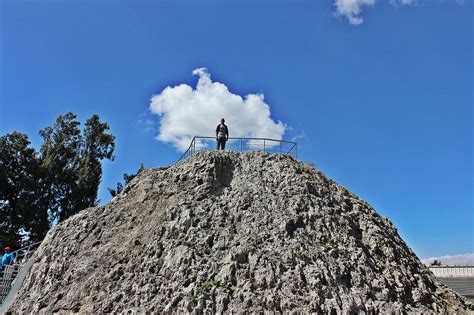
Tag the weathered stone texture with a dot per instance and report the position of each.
(224, 231)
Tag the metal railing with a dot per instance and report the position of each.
(22, 254)
(8, 273)
(199, 143)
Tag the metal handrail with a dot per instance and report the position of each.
(22, 252)
(246, 138)
(26, 247)
(292, 151)
(9, 273)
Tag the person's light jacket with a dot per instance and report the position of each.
(7, 258)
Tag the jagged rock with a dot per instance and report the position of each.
(225, 231)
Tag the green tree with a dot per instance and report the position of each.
(73, 163)
(39, 190)
(60, 160)
(21, 208)
(127, 179)
(97, 145)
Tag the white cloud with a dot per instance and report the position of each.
(464, 259)
(352, 9)
(186, 112)
(298, 136)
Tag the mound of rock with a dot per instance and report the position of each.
(226, 231)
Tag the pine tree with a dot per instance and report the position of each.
(38, 190)
(20, 200)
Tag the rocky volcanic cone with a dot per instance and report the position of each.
(225, 231)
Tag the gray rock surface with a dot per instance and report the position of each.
(226, 231)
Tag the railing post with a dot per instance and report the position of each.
(263, 145)
(194, 145)
(240, 144)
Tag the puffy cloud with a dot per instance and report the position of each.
(186, 112)
(464, 259)
(352, 9)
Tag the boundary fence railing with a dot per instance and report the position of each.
(199, 143)
(8, 273)
(22, 254)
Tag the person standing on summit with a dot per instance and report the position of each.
(222, 134)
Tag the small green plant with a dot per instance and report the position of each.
(306, 237)
(346, 228)
(299, 253)
(206, 286)
(329, 245)
(425, 271)
(344, 253)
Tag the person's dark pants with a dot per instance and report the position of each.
(221, 143)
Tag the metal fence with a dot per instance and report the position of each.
(9, 273)
(22, 254)
(199, 143)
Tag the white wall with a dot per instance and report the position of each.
(453, 271)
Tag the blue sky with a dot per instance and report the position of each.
(383, 107)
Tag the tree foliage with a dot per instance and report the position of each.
(127, 179)
(39, 189)
(19, 174)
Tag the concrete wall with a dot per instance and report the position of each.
(453, 271)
